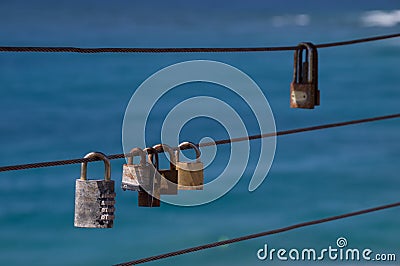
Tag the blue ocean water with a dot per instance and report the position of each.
(61, 106)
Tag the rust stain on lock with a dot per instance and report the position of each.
(133, 173)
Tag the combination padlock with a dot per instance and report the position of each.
(94, 199)
(169, 177)
(304, 91)
(132, 173)
(149, 186)
(190, 174)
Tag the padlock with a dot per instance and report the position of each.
(94, 199)
(304, 91)
(190, 174)
(169, 177)
(149, 186)
(131, 173)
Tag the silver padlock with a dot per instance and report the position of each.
(169, 177)
(94, 199)
(190, 174)
(149, 186)
(132, 173)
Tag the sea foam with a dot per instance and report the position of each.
(379, 18)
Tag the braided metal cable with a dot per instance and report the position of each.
(185, 50)
(218, 142)
(252, 236)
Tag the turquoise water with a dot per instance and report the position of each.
(61, 106)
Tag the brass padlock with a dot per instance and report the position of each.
(190, 174)
(131, 173)
(169, 177)
(94, 199)
(149, 186)
(304, 91)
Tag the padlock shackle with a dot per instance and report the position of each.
(101, 156)
(311, 63)
(166, 148)
(150, 153)
(137, 152)
(185, 145)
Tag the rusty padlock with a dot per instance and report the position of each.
(304, 91)
(94, 199)
(149, 186)
(169, 177)
(190, 174)
(131, 173)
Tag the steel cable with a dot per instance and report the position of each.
(184, 50)
(252, 236)
(218, 142)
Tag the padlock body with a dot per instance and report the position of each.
(147, 200)
(169, 181)
(94, 203)
(133, 175)
(304, 95)
(149, 191)
(190, 175)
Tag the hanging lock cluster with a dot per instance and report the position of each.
(95, 199)
(151, 182)
(304, 91)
